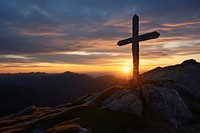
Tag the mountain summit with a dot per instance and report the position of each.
(167, 101)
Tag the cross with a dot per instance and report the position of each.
(135, 39)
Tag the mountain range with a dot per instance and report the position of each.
(20, 90)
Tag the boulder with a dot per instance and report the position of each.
(185, 78)
(123, 100)
(166, 102)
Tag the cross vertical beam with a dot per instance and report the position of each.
(135, 48)
(135, 39)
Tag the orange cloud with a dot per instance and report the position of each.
(40, 33)
(181, 24)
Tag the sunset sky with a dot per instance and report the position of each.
(80, 35)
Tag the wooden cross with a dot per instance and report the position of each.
(135, 39)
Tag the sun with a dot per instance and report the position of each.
(126, 69)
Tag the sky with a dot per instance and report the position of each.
(81, 35)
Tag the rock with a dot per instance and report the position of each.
(22, 112)
(38, 130)
(183, 78)
(167, 103)
(123, 100)
(57, 110)
(175, 123)
(89, 97)
(82, 130)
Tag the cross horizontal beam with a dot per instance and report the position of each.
(143, 37)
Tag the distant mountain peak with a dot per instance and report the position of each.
(69, 72)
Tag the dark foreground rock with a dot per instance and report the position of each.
(185, 78)
(125, 101)
(167, 103)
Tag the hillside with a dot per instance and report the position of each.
(166, 101)
(42, 89)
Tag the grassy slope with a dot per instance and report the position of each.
(87, 117)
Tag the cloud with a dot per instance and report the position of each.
(31, 32)
(44, 30)
(163, 50)
(23, 66)
(181, 24)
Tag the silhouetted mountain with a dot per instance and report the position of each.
(166, 101)
(24, 89)
(13, 98)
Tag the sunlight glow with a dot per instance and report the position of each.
(126, 69)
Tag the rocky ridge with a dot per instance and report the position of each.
(162, 91)
(167, 100)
